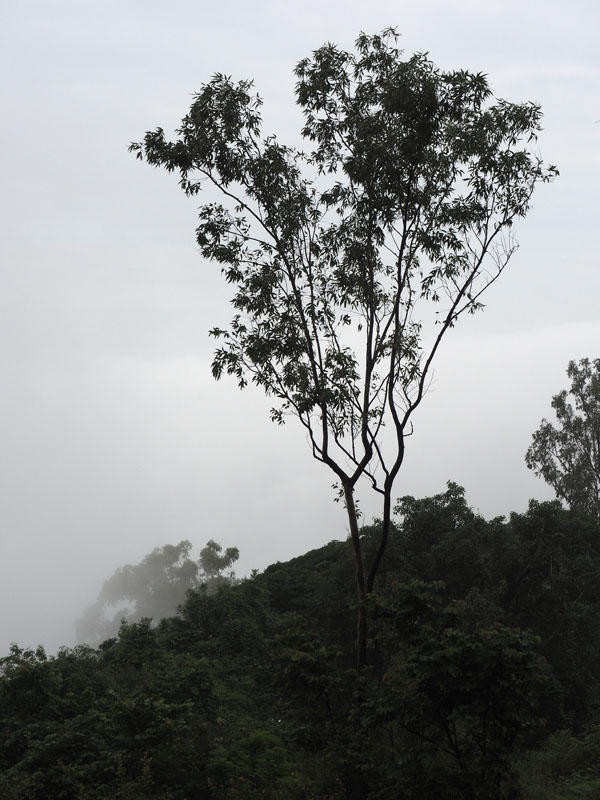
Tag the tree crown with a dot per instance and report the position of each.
(567, 455)
(401, 213)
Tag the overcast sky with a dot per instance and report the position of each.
(114, 437)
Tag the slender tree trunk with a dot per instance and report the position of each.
(383, 539)
(386, 522)
(361, 586)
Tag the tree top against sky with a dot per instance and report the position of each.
(351, 261)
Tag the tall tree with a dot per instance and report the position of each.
(567, 456)
(352, 261)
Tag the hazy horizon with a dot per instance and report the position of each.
(116, 439)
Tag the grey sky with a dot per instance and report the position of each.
(114, 437)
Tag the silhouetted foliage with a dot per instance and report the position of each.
(484, 677)
(352, 261)
(567, 456)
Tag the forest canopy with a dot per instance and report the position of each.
(485, 677)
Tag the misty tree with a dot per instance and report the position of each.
(567, 455)
(350, 261)
(155, 587)
(214, 562)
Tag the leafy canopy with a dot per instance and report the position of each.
(567, 456)
(249, 692)
(351, 260)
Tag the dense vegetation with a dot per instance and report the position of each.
(483, 677)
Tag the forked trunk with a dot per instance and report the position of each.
(364, 584)
(383, 539)
(361, 587)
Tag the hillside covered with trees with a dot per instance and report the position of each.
(483, 677)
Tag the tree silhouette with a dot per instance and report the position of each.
(567, 456)
(352, 261)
